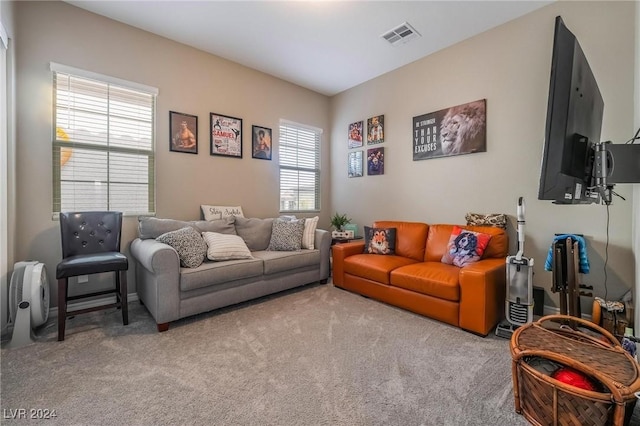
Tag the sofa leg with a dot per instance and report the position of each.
(163, 327)
(326, 280)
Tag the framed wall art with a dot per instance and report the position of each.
(261, 142)
(355, 134)
(226, 135)
(451, 131)
(355, 164)
(375, 130)
(183, 132)
(375, 161)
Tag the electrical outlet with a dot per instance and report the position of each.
(83, 279)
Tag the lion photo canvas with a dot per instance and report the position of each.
(452, 131)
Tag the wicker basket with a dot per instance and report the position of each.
(583, 346)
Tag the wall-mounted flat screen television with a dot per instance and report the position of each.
(574, 121)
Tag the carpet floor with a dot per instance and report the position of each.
(316, 355)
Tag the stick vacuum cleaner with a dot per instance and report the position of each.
(519, 299)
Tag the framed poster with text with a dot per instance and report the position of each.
(226, 135)
(452, 131)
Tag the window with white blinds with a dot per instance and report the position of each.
(299, 153)
(103, 144)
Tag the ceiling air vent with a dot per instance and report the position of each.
(401, 34)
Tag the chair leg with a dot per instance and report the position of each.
(123, 297)
(62, 306)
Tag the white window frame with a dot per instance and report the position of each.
(288, 164)
(57, 144)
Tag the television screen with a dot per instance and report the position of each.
(574, 121)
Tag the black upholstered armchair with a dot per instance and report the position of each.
(91, 245)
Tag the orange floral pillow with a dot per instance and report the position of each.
(465, 247)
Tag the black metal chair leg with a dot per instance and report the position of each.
(123, 297)
(62, 307)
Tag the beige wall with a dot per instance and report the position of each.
(509, 66)
(7, 155)
(188, 80)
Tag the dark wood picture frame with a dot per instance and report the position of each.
(183, 132)
(261, 142)
(226, 135)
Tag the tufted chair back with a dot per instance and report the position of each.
(90, 232)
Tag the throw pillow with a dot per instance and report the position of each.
(286, 235)
(309, 233)
(220, 212)
(188, 243)
(499, 220)
(465, 247)
(225, 246)
(255, 232)
(379, 240)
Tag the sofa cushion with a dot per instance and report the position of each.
(221, 226)
(499, 244)
(285, 261)
(286, 235)
(225, 247)
(189, 245)
(431, 278)
(153, 227)
(379, 240)
(439, 235)
(411, 237)
(255, 232)
(372, 267)
(465, 247)
(216, 273)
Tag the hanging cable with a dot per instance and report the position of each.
(606, 256)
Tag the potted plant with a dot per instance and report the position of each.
(338, 221)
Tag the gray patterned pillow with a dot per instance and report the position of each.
(188, 243)
(286, 235)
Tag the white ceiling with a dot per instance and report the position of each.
(325, 46)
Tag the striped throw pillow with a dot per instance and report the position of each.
(225, 246)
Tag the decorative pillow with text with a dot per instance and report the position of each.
(220, 212)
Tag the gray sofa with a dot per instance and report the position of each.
(171, 292)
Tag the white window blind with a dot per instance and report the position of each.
(103, 144)
(299, 153)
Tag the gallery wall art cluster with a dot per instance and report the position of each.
(373, 134)
(225, 136)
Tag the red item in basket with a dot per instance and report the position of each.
(574, 378)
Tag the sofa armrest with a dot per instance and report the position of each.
(340, 253)
(157, 278)
(482, 293)
(322, 242)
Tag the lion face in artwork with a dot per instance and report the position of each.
(462, 129)
(379, 243)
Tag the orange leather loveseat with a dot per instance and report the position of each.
(414, 278)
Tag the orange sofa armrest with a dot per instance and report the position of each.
(339, 253)
(482, 293)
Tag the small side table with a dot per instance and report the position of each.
(335, 241)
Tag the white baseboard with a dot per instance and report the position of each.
(552, 310)
(131, 297)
